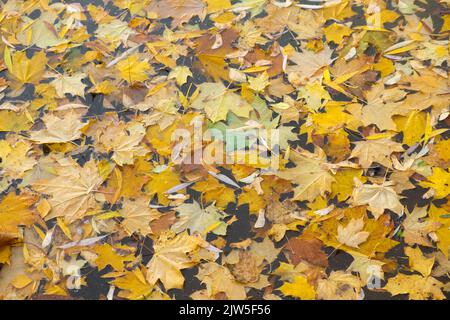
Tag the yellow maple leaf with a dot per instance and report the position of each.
(124, 141)
(314, 94)
(133, 284)
(16, 157)
(416, 228)
(219, 279)
(180, 10)
(132, 69)
(443, 149)
(338, 10)
(376, 242)
(299, 288)
(260, 82)
(213, 190)
(107, 255)
(340, 285)
(180, 74)
(336, 32)
(172, 254)
(344, 182)
(217, 100)
(418, 262)
(59, 129)
(137, 216)
(15, 211)
(413, 126)
(72, 189)
(311, 174)
(217, 5)
(439, 181)
(14, 121)
(21, 281)
(27, 70)
(438, 216)
(161, 182)
(255, 201)
(418, 287)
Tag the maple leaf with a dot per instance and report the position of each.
(351, 235)
(180, 74)
(218, 279)
(314, 94)
(382, 105)
(244, 266)
(14, 121)
(135, 176)
(418, 287)
(191, 216)
(311, 174)
(27, 70)
(418, 262)
(260, 82)
(379, 197)
(114, 31)
(172, 254)
(439, 181)
(339, 286)
(15, 211)
(40, 32)
(336, 32)
(212, 59)
(180, 10)
(443, 265)
(108, 256)
(90, 101)
(377, 241)
(16, 267)
(132, 69)
(133, 284)
(416, 231)
(377, 150)
(344, 183)
(265, 250)
(137, 216)
(308, 249)
(255, 201)
(440, 215)
(217, 100)
(69, 84)
(254, 6)
(59, 129)
(367, 268)
(72, 189)
(16, 157)
(380, 114)
(299, 288)
(308, 64)
(334, 118)
(413, 126)
(124, 142)
(162, 182)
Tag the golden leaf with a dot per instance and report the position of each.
(172, 254)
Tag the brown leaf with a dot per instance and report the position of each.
(306, 249)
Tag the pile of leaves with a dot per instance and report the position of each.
(94, 204)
